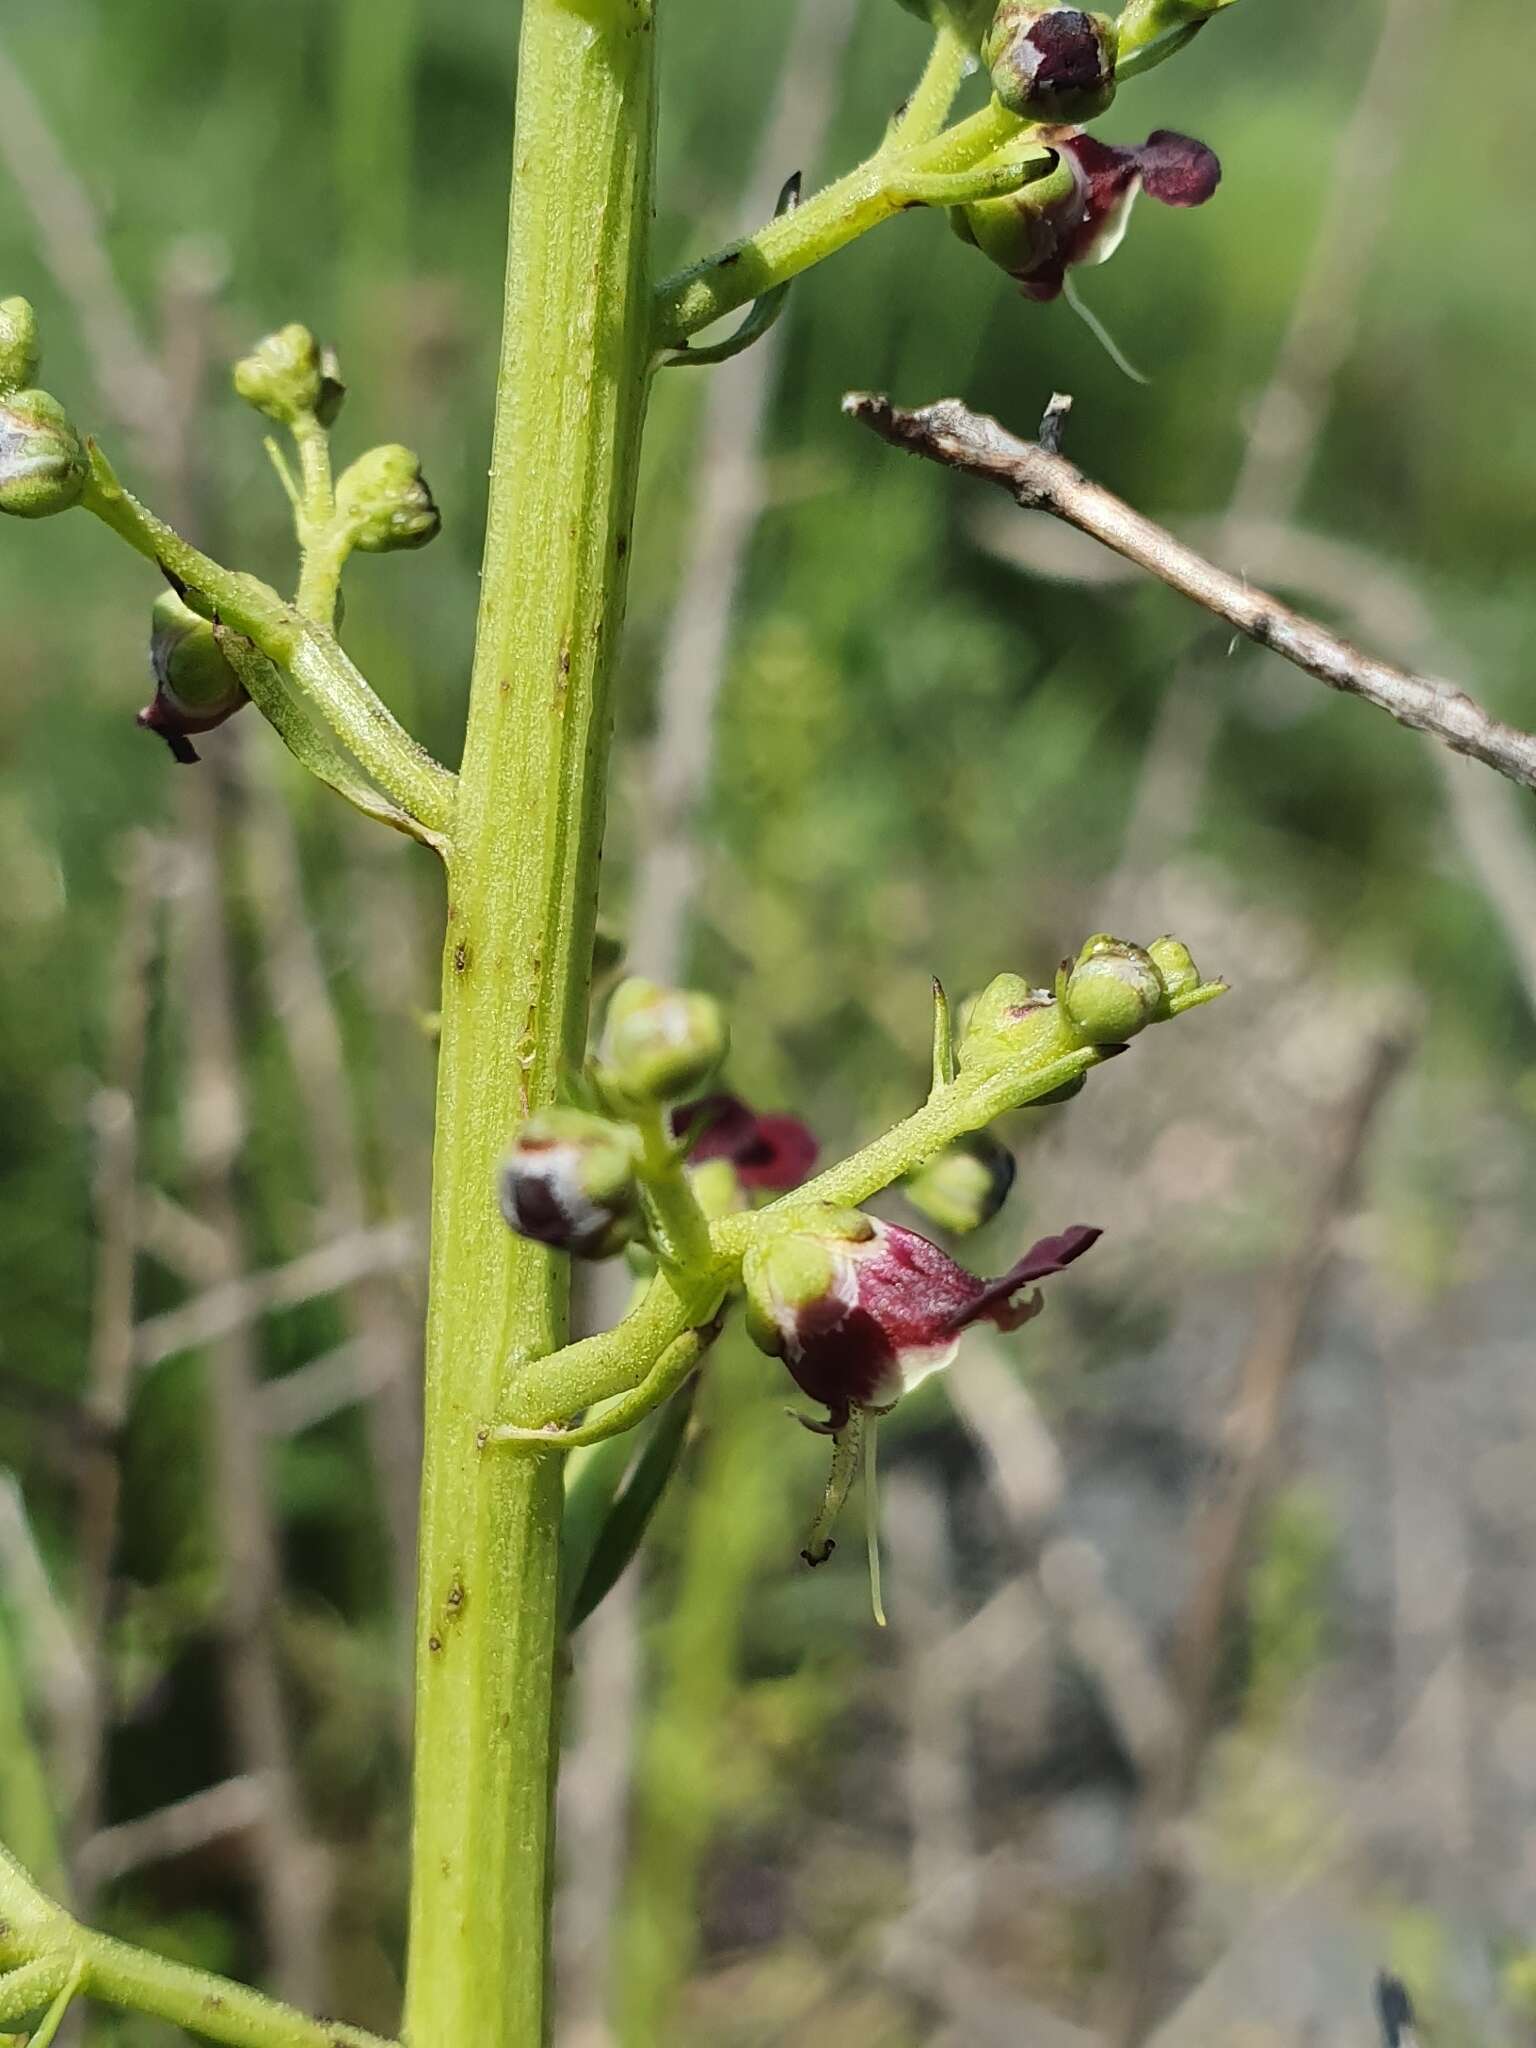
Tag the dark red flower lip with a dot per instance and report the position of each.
(774, 1152)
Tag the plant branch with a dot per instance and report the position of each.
(307, 655)
(43, 1949)
(1041, 480)
(885, 184)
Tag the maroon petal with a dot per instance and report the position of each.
(1051, 1255)
(1176, 169)
(772, 1152)
(780, 1156)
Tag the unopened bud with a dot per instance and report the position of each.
(569, 1182)
(195, 687)
(1051, 63)
(384, 499)
(1112, 992)
(42, 460)
(282, 376)
(1175, 965)
(18, 345)
(1010, 1021)
(966, 1185)
(662, 1044)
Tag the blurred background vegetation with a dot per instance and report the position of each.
(1211, 1683)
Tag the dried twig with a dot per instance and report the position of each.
(290, 1877)
(1220, 1540)
(227, 1808)
(115, 1117)
(950, 434)
(376, 1314)
(236, 1303)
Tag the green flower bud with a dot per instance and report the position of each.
(384, 499)
(1113, 992)
(968, 18)
(42, 460)
(966, 1185)
(569, 1182)
(1175, 966)
(1053, 64)
(195, 687)
(18, 345)
(1011, 1021)
(282, 376)
(662, 1044)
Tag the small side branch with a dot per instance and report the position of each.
(1042, 480)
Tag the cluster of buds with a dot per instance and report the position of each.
(575, 1178)
(43, 463)
(195, 687)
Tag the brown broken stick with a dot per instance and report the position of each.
(1041, 479)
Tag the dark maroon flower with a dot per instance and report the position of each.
(1089, 227)
(195, 687)
(1078, 215)
(861, 1310)
(770, 1152)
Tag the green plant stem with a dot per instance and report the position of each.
(885, 184)
(323, 677)
(924, 115)
(43, 1951)
(517, 969)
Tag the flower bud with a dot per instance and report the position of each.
(1051, 64)
(1078, 214)
(861, 1310)
(43, 465)
(966, 1185)
(1113, 992)
(384, 499)
(18, 345)
(569, 1182)
(282, 376)
(195, 687)
(1011, 1021)
(661, 1044)
(1175, 966)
